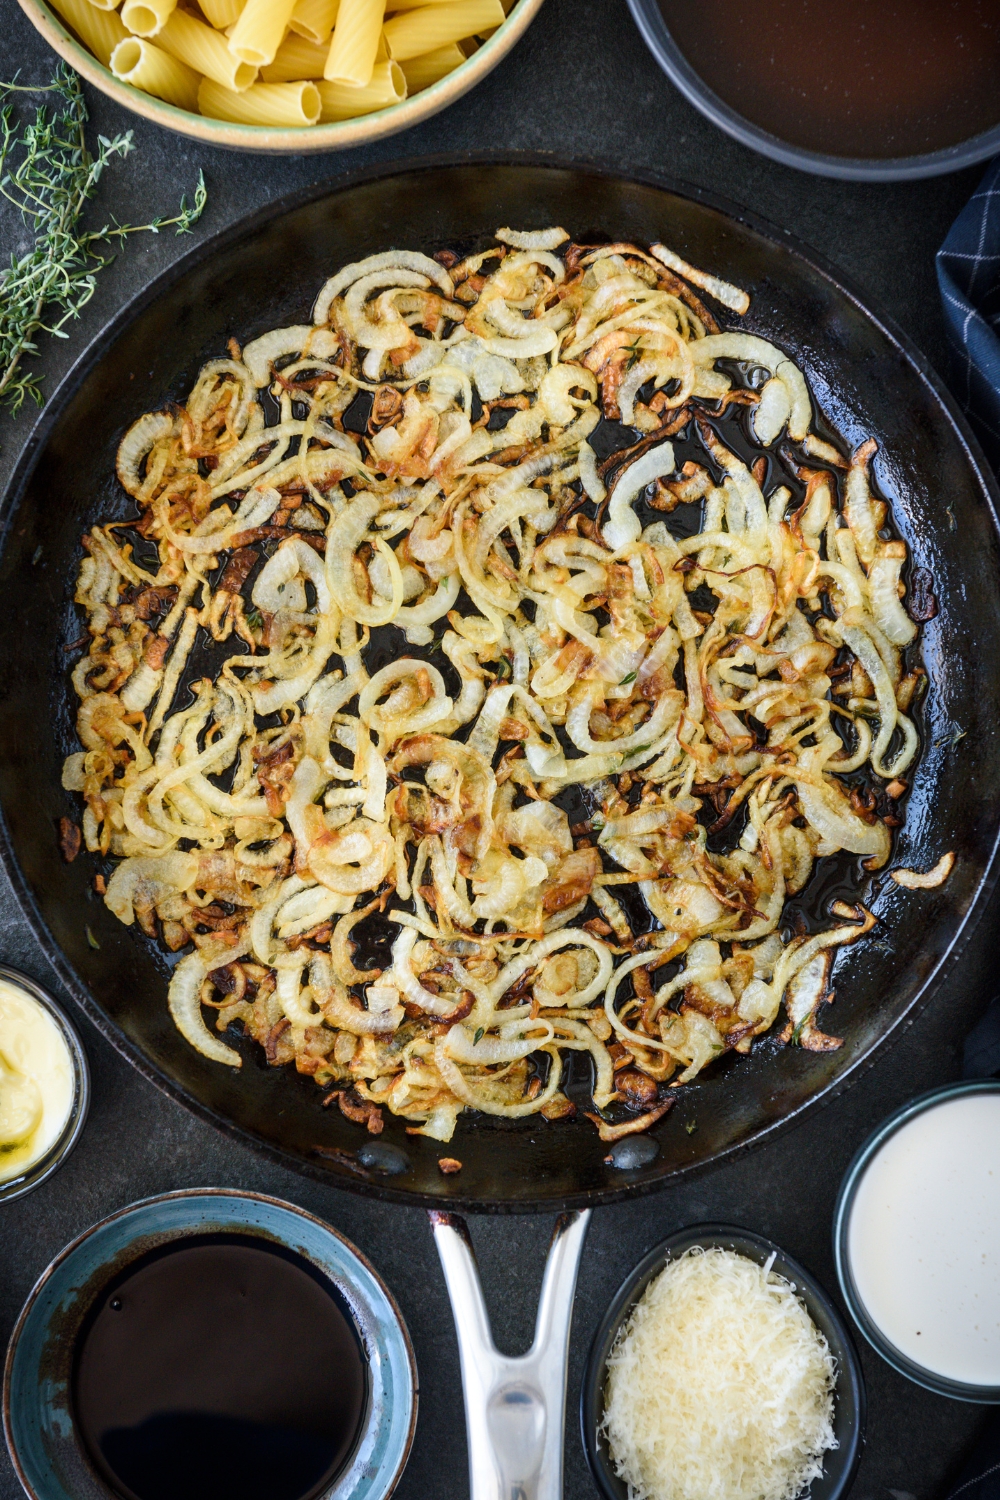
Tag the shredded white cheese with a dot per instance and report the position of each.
(720, 1386)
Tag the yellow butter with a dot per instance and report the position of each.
(36, 1081)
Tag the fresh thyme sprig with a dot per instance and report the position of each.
(48, 173)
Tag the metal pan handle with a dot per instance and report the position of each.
(515, 1408)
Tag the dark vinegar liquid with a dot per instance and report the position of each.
(868, 78)
(219, 1370)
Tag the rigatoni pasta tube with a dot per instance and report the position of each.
(355, 44)
(138, 62)
(432, 26)
(147, 17)
(295, 59)
(420, 72)
(222, 13)
(105, 4)
(387, 86)
(99, 30)
(263, 104)
(194, 43)
(257, 34)
(314, 19)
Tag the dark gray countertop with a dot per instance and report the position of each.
(579, 84)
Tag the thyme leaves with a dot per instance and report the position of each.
(49, 174)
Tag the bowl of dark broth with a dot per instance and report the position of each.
(883, 90)
(215, 1345)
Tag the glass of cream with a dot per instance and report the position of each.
(44, 1085)
(916, 1238)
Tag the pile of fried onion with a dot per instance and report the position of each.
(545, 641)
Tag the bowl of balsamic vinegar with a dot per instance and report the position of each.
(871, 90)
(215, 1345)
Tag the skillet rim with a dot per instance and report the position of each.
(380, 1188)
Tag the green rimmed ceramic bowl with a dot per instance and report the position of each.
(335, 136)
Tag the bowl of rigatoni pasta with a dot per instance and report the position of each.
(283, 75)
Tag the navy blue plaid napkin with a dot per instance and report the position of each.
(981, 1054)
(980, 1478)
(968, 269)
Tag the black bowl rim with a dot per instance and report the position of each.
(53, 1159)
(381, 1188)
(631, 1289)
(958, 1390)
(657, 36)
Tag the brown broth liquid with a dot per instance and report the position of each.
(879, 79)
(219, 1370)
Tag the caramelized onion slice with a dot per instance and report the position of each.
(184, 1000)
(928, 880)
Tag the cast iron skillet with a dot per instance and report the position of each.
(264, 274)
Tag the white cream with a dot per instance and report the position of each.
(37, 1082)
(924, 1239)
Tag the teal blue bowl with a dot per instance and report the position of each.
(46, 1450)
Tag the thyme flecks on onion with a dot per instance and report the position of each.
(549, 640)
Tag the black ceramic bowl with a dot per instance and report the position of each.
(840, 1464)
(658, 38)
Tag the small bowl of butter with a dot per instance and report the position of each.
(44, 1085)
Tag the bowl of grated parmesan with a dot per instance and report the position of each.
(722, 1371)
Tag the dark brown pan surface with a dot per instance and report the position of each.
(264, 276)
